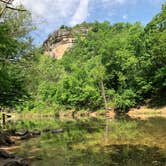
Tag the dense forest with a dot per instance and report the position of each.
(115, 66)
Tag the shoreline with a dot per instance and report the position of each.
(143, 112)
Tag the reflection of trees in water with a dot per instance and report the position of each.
(106, 131)
(122, 155)
(85, 134)
(137, 155)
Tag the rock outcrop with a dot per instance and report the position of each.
(5, 139)
(59, 41)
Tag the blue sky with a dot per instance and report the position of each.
(49, 15)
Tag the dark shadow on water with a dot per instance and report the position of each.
(137, 155)
(121, 155)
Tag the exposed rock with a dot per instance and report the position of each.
(57, 131)
(59, 41)
(54, 131)
(21, 132)
(35, 132)
(5, 154)
(26, 136)
(5, 139)
(46, 130)
(10, 132)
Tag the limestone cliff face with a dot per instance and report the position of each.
(59, 41)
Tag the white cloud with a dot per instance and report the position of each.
(50, 9)
(81, 13)
(50, 14)
(62, 11)
(69, 12)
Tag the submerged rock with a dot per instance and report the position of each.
(17, 162)
(5, 154)
(11, 160)
(12, 163)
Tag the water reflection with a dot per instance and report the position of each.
(96, 142)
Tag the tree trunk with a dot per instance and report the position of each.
(103, 94)
(3, 119)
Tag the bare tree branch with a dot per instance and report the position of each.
(8, 2)
(3, 9)
(9, 7)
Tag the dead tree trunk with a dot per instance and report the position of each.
(103, 94)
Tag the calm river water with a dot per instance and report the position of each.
(95, 142)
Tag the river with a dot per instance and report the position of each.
(94, 142)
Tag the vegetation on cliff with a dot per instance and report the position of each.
(113, 66)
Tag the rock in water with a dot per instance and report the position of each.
(17, 162)
(13, 163)
(27, 136)
(5, 154)
(57, 131)
(36, 132)
(46, 130)
(5, 139)
(21, 132)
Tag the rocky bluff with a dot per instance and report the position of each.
(62, 39)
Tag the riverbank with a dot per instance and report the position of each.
(142, 112)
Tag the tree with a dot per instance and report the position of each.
(15, 44)
(114, 65)
(155, 56)
(8, 5)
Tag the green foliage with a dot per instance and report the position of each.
(113, 65)
(15, 44)
(156, 48)
(125, 100)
